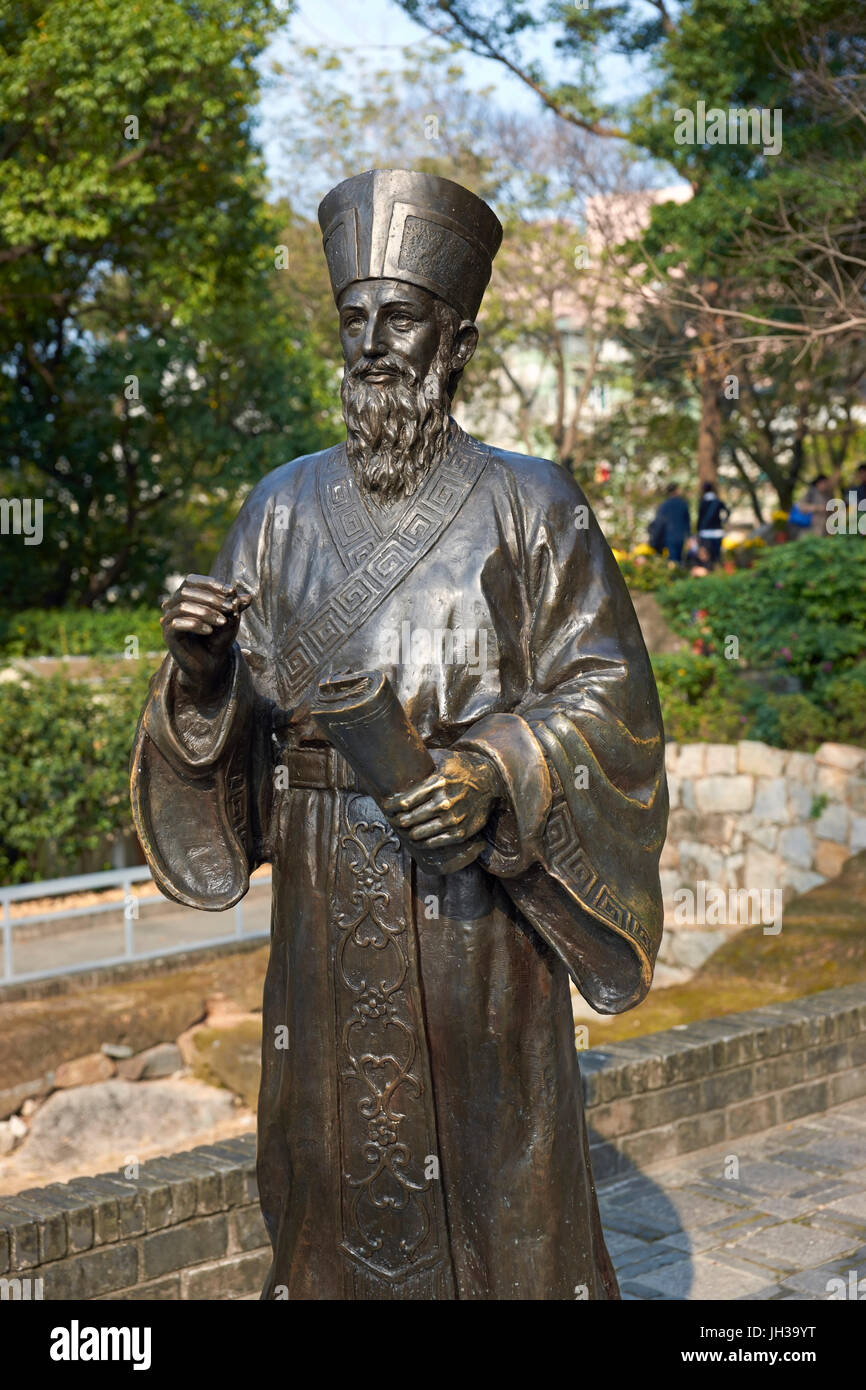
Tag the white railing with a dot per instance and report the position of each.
(128, 907)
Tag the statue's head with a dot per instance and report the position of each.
(409, 256)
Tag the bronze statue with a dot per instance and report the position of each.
(415, 684)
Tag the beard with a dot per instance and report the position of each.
(395, 433)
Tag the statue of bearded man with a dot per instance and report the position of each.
(420, 1129)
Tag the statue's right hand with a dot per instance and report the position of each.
(200, 623)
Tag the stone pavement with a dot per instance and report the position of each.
(776, 1215)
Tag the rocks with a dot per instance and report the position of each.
(119, 1051)
(858, 833)
(759, 759)
(832, 824)
(700, 861)
(80, 1127)
(841, 755)
(690, 760)
(771, 800)
(84, 1071)
(14, 1097)
(831, 782)
(765, 835)
(720, 759)
(830, 858)
(38, 1034)
(800, 801)
(163, 1060)
(800, 880)
(231, 1056)
(796, 847)
(690, 948)
(11, 1133)
(748, 816)
(724, 793)
(761, 868)
(800, 770)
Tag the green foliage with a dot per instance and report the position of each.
(835, 711)
(764, 261)
(64, 776)
(801, 612)
(801, 608)
(791, 721)
(701, 699)
(845, 697)
(651, 572)
(79, 632)
(145, 358)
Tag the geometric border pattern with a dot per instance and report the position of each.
(572, 864)
(313, 639)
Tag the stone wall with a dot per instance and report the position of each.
(189, 1226)
(748, 816)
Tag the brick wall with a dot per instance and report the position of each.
(189, 1226)
(704, 1083)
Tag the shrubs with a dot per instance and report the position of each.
(65, 767)
(835, 710)
(79, 631)
(801, 608)
(799, 618)
(645, 571)
(845, 696)
(701, 699)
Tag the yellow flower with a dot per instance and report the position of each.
(643, 549)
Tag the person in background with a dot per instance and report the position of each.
(857, 487)
(712, 515)
(697, 558)
(671, 524)
(814, 504)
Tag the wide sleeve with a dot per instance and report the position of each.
(201, 775)
(581, 758)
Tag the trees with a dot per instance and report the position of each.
(543, 355)
(144, 359)
(765, 262)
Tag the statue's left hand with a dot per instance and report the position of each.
(449, 806)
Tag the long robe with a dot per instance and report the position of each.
(421, 1126)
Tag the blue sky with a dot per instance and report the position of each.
(380, 27)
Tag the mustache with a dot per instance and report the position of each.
(373, 365)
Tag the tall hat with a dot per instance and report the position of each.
(399, 225)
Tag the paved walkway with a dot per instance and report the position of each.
(161, 925)
(777, 1215)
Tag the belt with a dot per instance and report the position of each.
(320, 767)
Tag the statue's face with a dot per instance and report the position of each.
(404, 351)
(387, 326)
